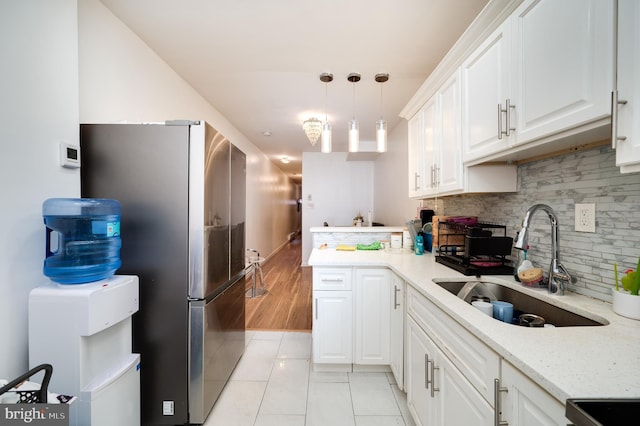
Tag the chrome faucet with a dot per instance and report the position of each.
(558, 275)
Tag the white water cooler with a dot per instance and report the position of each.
(84, 332)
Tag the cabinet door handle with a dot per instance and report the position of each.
(434, 389)
(497, 405)
(508, 114)
(415, 181)
(395, 297)
(316, 308)
(614, 119)
(434, 177)
(499, 121)
(426, 371)
(331, 280)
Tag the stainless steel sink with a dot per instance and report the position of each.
(522, 303)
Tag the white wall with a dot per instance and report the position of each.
(38, 109)
(121, 78)
(392, 204)
(334, 191)
(70, 61)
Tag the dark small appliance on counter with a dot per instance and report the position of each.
(474, 248)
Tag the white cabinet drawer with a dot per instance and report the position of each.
(477, 362)
(331, 278)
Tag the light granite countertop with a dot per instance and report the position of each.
(569, 362)
(386, 229)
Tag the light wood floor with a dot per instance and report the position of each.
(287, 306)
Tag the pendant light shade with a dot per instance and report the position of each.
(354, 127)
(325, 139)
(354, 135)
(381, 136)
(381, 125)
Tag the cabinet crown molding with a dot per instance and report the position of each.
(493, 14)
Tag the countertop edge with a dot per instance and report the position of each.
(359, 229)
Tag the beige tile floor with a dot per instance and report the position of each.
(274, 385)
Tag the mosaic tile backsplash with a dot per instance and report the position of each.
(561, 182)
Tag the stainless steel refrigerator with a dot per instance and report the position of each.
(182, 189)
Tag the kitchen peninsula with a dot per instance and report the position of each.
(542, 366)
(351, 235)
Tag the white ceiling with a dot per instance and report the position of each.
(258, 62)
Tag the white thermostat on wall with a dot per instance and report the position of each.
(69, 155)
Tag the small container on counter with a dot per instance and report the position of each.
(407, 242)
(396, 240)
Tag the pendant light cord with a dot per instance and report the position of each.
(353, 85)
(326, 85)
(380, 101)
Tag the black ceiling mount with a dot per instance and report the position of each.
(354, 77)
(326, 77)
(382, 77)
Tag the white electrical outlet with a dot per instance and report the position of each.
(585, 217)
(167, 408)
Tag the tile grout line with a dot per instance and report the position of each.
(255, 420)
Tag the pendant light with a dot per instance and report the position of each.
(381, 125)
(354, 127)
(325, 141)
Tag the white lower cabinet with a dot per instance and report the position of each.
(372, 317)
(396, 339)
(525, 403)
(453, 378)
(437, 393)
(352, 317)
(332, 327)
(332, 321)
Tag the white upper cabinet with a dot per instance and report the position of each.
(431, 136)
(435, 150)
(562, 65)
(544, 74)
(626, 122)
(448, 148)
(435, 144)
(486, 84)
(416, 155)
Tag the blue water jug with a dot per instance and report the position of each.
(82, 239)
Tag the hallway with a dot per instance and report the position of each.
(287, 306)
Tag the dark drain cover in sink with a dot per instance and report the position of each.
(602, 411)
